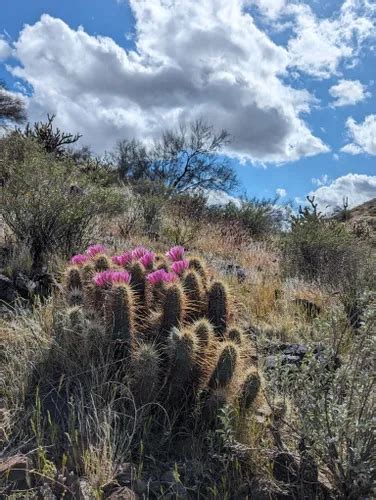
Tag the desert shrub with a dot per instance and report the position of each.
(260, 218)
(332, 401)
(322, 249)
(48, 205)
(185, 216)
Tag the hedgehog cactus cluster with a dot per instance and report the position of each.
(170, 325)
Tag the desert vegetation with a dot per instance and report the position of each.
(154, 346)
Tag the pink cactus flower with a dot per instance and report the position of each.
(120, 277)
(123, 259)
(147, 259)
(176, 253)
(79, 259)
(161, 276)
(139, 252)
(93, 250)
(179, 266)
(103, 278)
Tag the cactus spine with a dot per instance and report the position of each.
(250, 388)
(194, 291)
(225, 367)
(218, 308)
(102, 263)
(119, 312)
(145, 373)
(173, 308)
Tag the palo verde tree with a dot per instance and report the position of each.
(183, 159)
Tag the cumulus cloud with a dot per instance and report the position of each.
(363, 136)
(319, 44)
(281, 192)
(320, 181)
(5, 50)
(348, 92)
(216, 197)
(356, 188)
(192, 59)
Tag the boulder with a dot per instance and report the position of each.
(7, 290)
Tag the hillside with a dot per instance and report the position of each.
(365, 213)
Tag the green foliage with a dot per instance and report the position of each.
(47, 204)
(318, 248)
(259, 218)
(335, 404)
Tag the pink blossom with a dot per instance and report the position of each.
(147, 259)
(161, 276)
(106, 278)
(123, 259)
(93, 250)
(79, 259)
(139, 252)
(103, 278)
(120, 277)
(176, 253)
(179, 266)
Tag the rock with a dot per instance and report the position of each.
(236, 270)
(14, 471)
(7, 290)
(84, 490)
(294, 354)
(24, 286)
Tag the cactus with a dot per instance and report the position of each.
(173, 308)
(119, 313)
(218, 308)
(184, 357)
(73, 280)
(235, 335)
(145, 373)
(195, 293)
(183, 373)
(225, 367)
(87, 273)
(203, 331)
(197, 265)
(102, 263)
(250, 388)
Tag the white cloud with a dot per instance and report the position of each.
(321, 44)
(192, 59)
(216, 197)
(363, 136)
(321, 181)
(281, 192)
(348, 92)
(356, 188)
(5, 50)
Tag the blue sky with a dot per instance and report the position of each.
(293, 82)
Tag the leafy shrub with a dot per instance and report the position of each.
(259, 218)
(48, 205)
(318, 248)
(334, 405)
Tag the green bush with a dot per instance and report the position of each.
(259, 218)
(319, 248)
(48, 204)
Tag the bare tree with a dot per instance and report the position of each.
(12, 108)
(184, 159)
